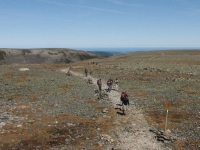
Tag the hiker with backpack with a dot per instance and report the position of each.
(122, 98)
(86, 72)
(99, 83)
(125, 102)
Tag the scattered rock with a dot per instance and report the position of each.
(70, 124)
(162, 136)
(31, 121)
(69, 73)
(2, 124)
(89, 81)
(105, 110)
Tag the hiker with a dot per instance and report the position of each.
(111, 82)
(125, 105)
(125, 102)
(99, 83)
(116, 84)
(86, 72)
(109, 85)
(122, 98)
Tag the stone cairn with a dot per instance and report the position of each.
(89, 81)
(69, 73)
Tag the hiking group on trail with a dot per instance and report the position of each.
(124, 97)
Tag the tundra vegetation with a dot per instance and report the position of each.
(2, 55)
(43, 108)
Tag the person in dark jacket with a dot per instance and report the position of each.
(86, 72)
(125, 103)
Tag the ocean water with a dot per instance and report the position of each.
(133, 49)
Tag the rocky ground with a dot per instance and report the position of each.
(43, 108)
(155, 79)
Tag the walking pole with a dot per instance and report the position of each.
(168, 108)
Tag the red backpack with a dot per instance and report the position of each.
(122, 95)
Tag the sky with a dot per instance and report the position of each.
(99, 23)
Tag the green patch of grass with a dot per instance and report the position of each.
(84, 56)
(52, 53)
(24, 52)
(67, 61)
(2, 55)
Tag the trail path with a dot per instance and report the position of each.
(138, 137)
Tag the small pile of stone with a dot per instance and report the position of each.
(89, 81)
(162, 136)
(102, 95)
(69, 73)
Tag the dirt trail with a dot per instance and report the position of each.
(138, 137)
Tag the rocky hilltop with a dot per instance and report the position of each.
(45, 55)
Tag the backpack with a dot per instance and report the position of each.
(125, 95)
(122, 96)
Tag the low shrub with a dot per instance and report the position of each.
(2, 55)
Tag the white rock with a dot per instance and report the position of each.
(23, 69)
(70, 124)
(2, 124)
(19, 125)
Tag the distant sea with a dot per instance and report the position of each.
(133, 49)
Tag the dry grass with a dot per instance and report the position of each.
(66, 86)
(189, 92)
(52, 131)
(136, 93)
(187, 145)
(8, 75)
(14, 96)
(91, 101)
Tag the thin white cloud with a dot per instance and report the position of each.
(119, 2)
(40, 17)
(87, 7)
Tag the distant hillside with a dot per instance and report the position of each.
(44, 55)
(103, 53)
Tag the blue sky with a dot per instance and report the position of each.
(99, 23)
